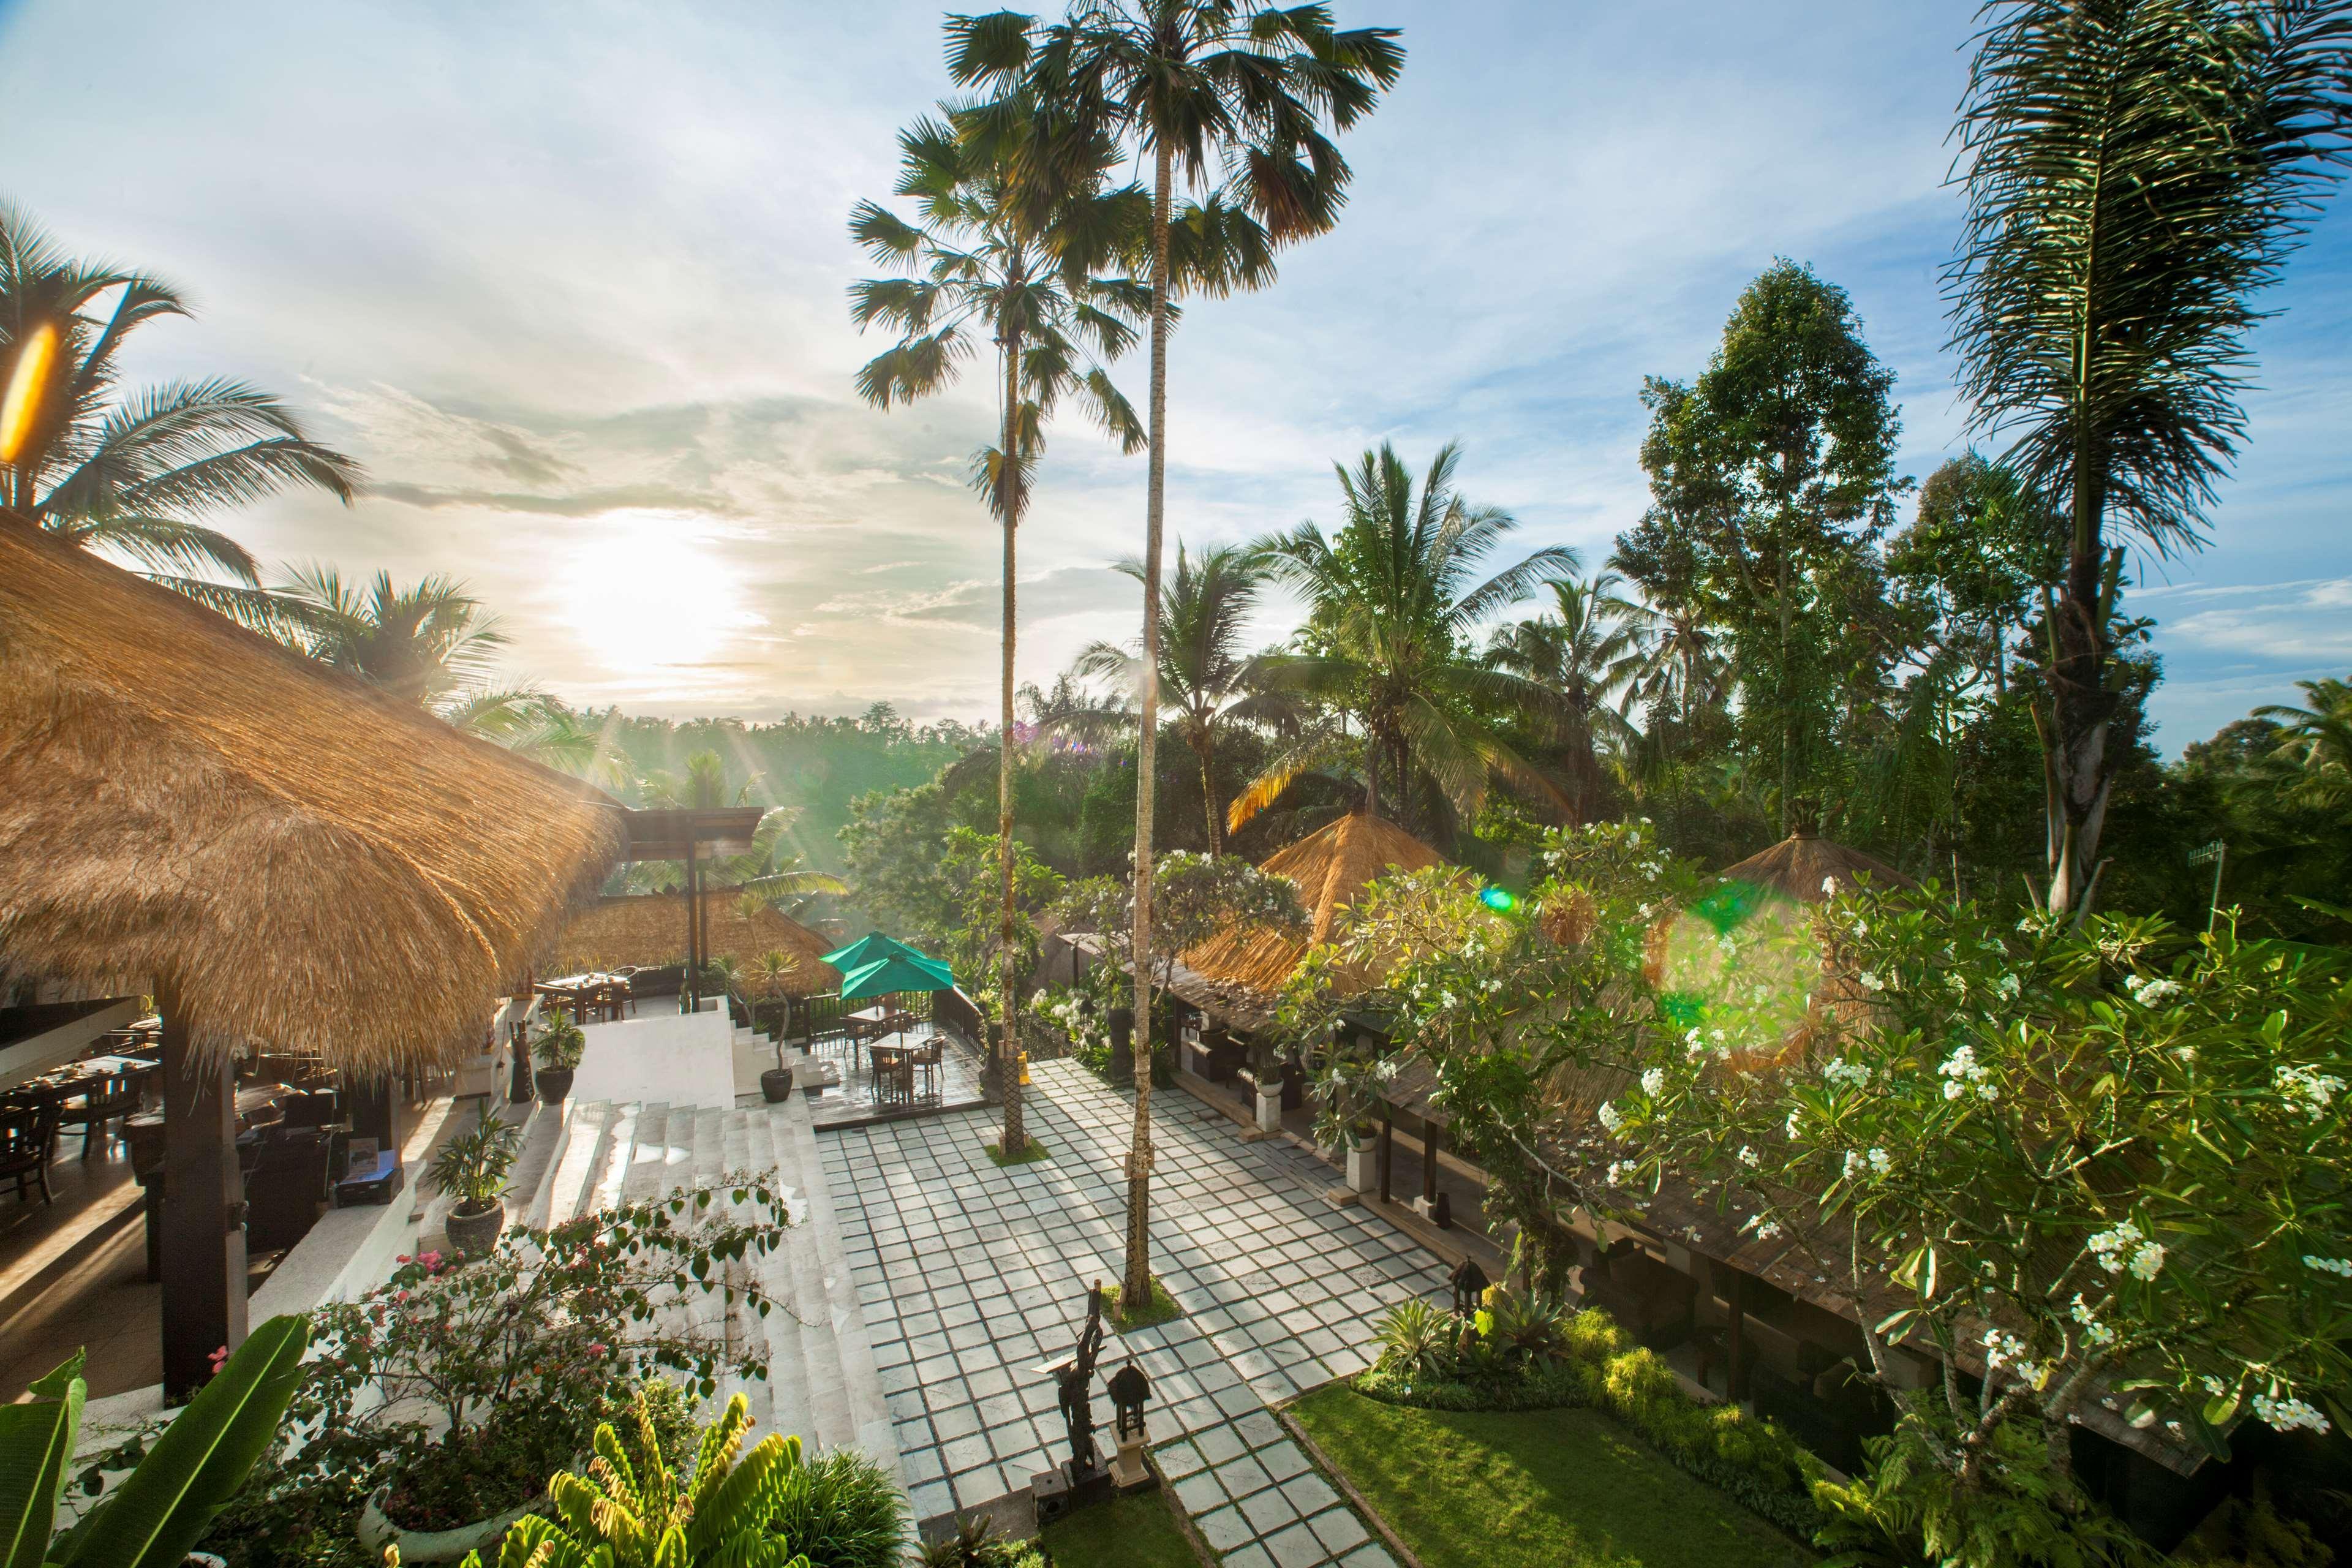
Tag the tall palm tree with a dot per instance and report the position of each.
(138, 476)
(1207, 675)
(2136, 171)
(1587, 650)
(1392, 601)
(1235, 95)
(430, 643)
(1032, 271)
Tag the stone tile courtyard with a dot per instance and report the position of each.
(971, 1278)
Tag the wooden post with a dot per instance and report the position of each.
(375, 1111)
(693, 930)
(1735, 1341)
(1388, 1147)
(204, 1212)
(1430, 1138)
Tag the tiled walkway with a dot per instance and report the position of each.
(970, 1277)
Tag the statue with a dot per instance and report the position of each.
(1082, 1480)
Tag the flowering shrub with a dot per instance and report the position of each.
(463, 1385)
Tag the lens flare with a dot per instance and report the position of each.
(1499, 900)
(24, 398)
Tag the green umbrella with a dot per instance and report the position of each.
(864, 950)
(903, 971)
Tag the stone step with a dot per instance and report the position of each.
(543, 1141)
(580, 1149)
(710, 1146)
(612, 1169)
(642, 1177)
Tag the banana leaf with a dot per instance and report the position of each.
(162, 1508)
(37, 1445)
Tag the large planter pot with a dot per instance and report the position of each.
(476, 1233)
(376, 1532)
(555, 1085)
(776, 1085)
(1363, 1164)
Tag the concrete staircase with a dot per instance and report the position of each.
(821, 1381)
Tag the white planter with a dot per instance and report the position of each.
(1364, 1168)
(376, 1532)
(1269, 1110)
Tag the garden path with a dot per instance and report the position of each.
(971, 1278)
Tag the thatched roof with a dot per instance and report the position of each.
(296, 858)
(1798, 866)
(650, 929)
(1331, 866)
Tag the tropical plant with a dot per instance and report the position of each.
(140, 476)
(1205, 673)
(2136, 172)
(2316, 740)
(1029, 265)
(646, 1515)
(460, 1388)
(1393, 599)
(559, 1043)
(1233, 97)
(154, 1518)
(1589, 651)
(1197, 897)
(842, 1510)
(1420, 1340)
(471, 1166)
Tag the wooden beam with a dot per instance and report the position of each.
(1733, 1380)
(1430, 1136)
(1388, 1147)
(203, 1212)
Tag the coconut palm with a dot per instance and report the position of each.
(139, 475)
(1208, 677)
(2316, 740)
(1032, 272)
(1392, 601)
(1232, 96)
(1588, 651)
(430, 643)
(2136, 171)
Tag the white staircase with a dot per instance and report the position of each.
(820, 1381)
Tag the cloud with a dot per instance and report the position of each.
(2294, 621)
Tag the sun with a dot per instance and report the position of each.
(647, 592)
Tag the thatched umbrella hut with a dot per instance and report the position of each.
(1805, 866)
(1243, 968)
(283, 854)
(645, 929)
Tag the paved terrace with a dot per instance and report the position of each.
(970, 1277)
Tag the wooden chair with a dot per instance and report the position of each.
(932, 1058)
(28, 1129)
(109, 1097)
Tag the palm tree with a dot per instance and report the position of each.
(137, 475)
(2136, 171)
(2316, 740)
(1237, 92)
(1208, 679)
(1391, 604)
(1590, 652)
(429, 643)
(1029, 271)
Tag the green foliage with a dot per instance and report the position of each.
(1160, 1309)
(1194, 897)
(558, 1043)
(2252, 1533)
(1910, 1508)
(839, 1510)
(625, 1515)
(1137, 1531)
(976, 1544)
(1521, 1352)
(471, 1166)
(159, 1510)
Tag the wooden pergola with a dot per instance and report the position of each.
(280, 853)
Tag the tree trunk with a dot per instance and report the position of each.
(1016, 1133)
(1204, 748)
(1787, 719)
(1137, 1290)
(1371, 773)
(2077, 771)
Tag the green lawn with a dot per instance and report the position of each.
(1542, 1488)
(1125, 1532)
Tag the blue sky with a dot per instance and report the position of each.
(570, 279)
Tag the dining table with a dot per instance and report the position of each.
(894, 1073)
(581, 991)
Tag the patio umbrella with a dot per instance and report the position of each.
(904, 971)
(865, 949)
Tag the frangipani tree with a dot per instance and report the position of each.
(1195, 897)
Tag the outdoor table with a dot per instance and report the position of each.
(578, 991)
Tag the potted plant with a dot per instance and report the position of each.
(472, 1168)
(769, 971)
(559, 1046)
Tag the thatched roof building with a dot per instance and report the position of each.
(290, 856)
(1798, 867)
(1239, 971)
(650, 929)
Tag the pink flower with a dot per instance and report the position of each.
(402, 1259)
(400, 1295)
(219, 1358)
(596, 1350)
(430, 1259)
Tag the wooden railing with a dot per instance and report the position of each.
(951, 1009)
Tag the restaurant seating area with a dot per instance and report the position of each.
(888, 1058)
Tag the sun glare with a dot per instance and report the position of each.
(649, 593)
